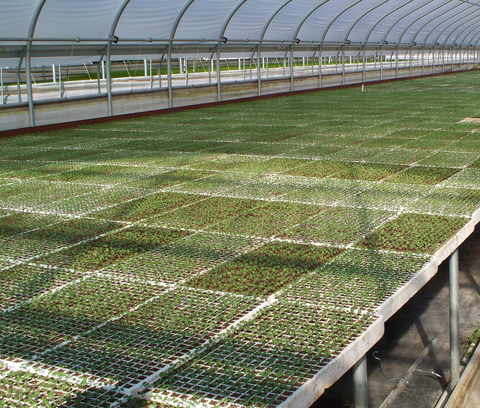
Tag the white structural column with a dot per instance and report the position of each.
(360, 383)
(454, 321)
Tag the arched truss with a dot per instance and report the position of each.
(42, 32)
(430, 22)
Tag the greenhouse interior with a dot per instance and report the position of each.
(240, 203)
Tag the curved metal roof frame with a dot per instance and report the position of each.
(361, 17)
(447, 26)
(475, 21)
(476, 25)
(418, 19)
(454, 40)
(453, 17)
(383, 18)
(337, 17)
(421, 29)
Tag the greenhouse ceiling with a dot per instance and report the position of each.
(67, 31)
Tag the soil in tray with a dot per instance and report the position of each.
(265, 270)
(170, 178)
(423, 175)
(270, 219)
(147, 206)
(114, 248)
(415, 233)
(349, 171)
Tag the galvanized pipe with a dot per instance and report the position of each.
(364, 65)
(109, 80)
(219, 78)
(28, 63)
(320, 66)
(360, 383)
(292, 81)
(19, 90)
(396, 61)
(259, 72)
(1, 83)
(60, 80)
(169, 76)
(454, 321)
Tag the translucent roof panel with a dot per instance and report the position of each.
(446, 21)
(332, 21)
(15, 17)
(73, 18)
(251, 18)
(149, 19)
(320, 18)
(285, 23)
(373, 21)
(459, 30)
(204, 19)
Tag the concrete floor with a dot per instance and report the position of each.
(424, 318)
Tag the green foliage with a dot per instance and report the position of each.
(265, 270)
(414, 232)
(422, 175)
(128, 245)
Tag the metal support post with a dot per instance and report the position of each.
(151, 74)
(99, 85)
(250, 69)
(396, 61)
(443, 59)
(186, 71)
(169, 75)
(28, 63)
(109, 80)
(54, 74)
(60, 80)
(219, 78)
(423, 58)
(259, 72)
(452, 58)
(160, 61)
(210, 67)
(1, 80)
(360, 383)
(320, 66)
(292, 81)
(343, 64)
(454, 321)
(410, 68)
(381, 63)
(433, 60)
(19, 90)
(364, 67)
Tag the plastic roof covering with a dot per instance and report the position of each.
(446, 22)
